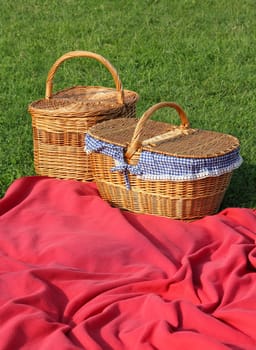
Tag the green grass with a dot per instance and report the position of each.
(199, 53)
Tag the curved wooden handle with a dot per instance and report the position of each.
(135, 144)
(88, 54)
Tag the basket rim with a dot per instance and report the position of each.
(90, 108)
(151, 166)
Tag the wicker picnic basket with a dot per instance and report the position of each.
(152, 167)
(60, 120)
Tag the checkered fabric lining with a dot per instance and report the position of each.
(156, 166)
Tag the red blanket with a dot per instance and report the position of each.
(78, 274)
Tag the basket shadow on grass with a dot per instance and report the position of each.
(242, 189)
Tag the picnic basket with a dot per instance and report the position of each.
(60, 120)
(152, 167)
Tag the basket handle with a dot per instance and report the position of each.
(135, 143)
(88, 54)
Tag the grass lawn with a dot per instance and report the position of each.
(198, 53)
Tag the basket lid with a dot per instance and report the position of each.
(165, 138)
(155, 150)
(84, 101)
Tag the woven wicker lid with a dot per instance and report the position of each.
(165, 138)
(84, 100)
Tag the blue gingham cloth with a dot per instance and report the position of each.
(156, 166)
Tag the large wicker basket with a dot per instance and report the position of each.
(60, 120)
(176, 172)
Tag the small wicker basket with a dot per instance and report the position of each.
(61, 120)
(176, 172)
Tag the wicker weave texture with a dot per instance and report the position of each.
(185, 200)
(61, 120)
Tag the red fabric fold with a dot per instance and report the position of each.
(76, 273)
